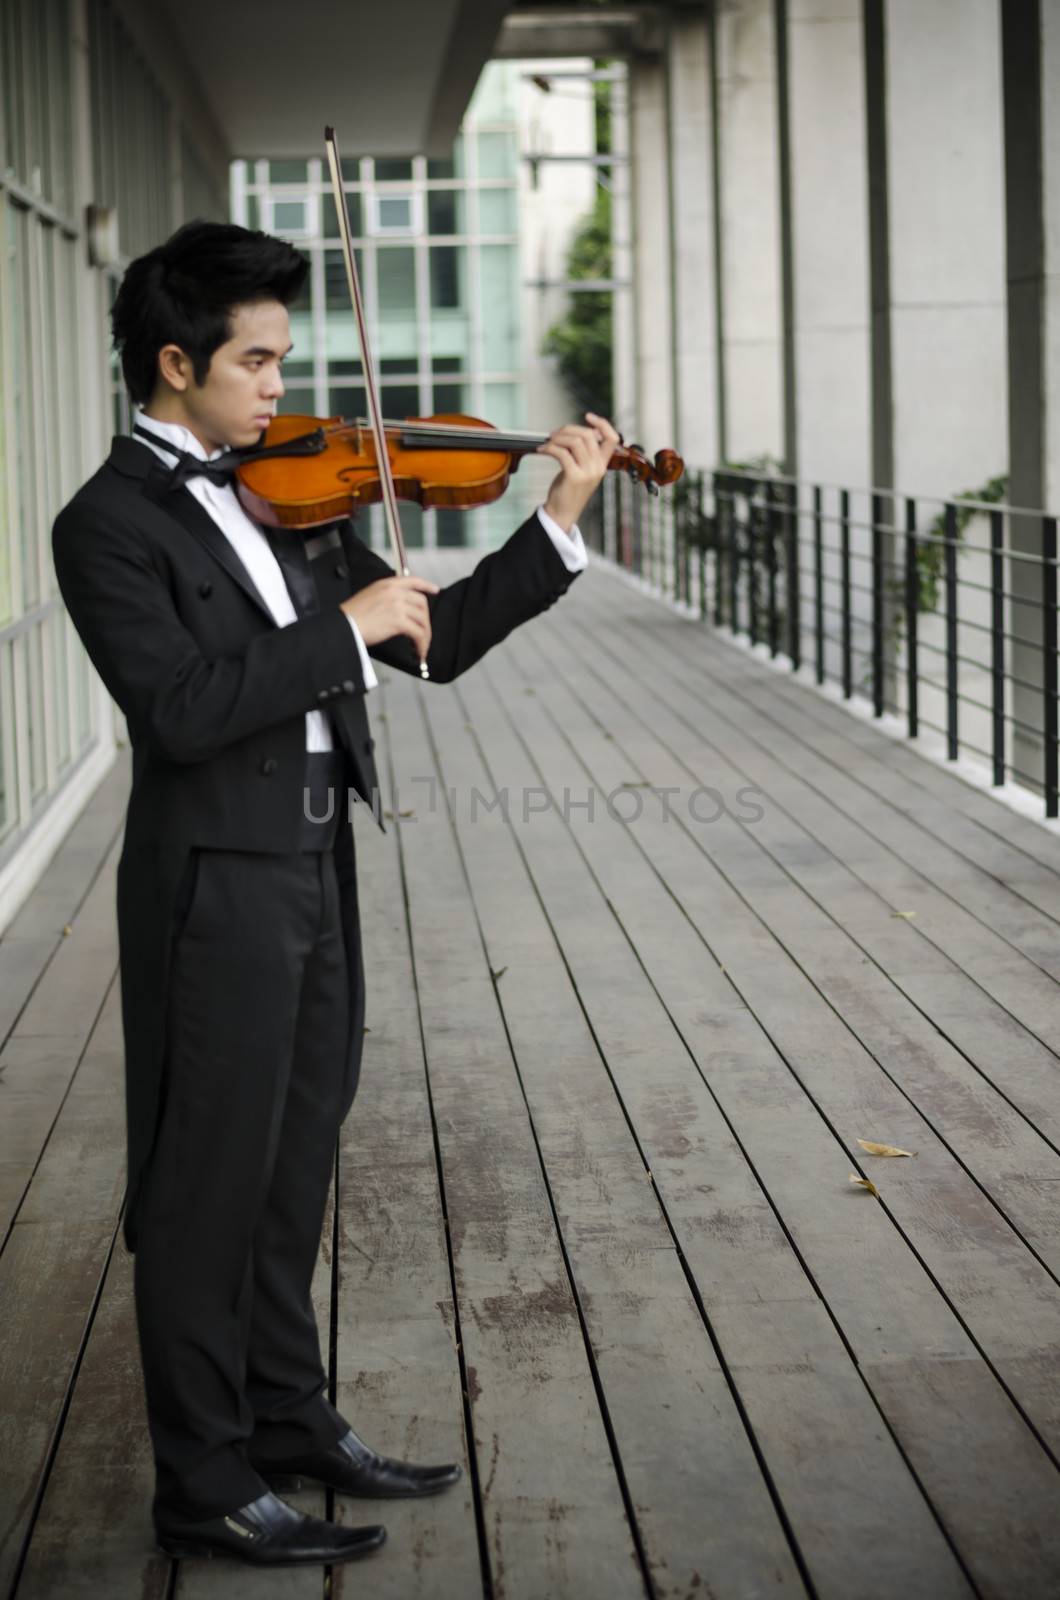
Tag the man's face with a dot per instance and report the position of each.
(244, 380)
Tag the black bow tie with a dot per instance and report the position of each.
(220, 470)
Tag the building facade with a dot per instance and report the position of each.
(100, 156)
(458, 259)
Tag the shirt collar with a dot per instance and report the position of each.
(176, 434)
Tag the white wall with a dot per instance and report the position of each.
(947, 232)
(829, 195)
(750, 230)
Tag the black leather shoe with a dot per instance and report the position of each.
(351, 1467)
(269, 1533)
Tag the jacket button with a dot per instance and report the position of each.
(206, 588)
(348, 685)
(341, 570)
(336, 688)
(269, 765)
(323, 694)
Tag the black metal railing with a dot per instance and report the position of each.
(942, 613)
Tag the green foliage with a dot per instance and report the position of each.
(931, 557)
(582, 340)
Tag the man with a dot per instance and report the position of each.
(240, 658)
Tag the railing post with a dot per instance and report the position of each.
(877, 606)
(997, 643)
(752, 566)
(912, 613)
(952, 743)
(844, 542)
(771, 521)
(734, 554)
(793, 586)
(818, 582)
(1049, 662)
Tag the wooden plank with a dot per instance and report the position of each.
(93, 1534)
(1036, 839)
(50, 1273)
(399, 1379)
(1014, 980)
(1018, 1062)
(554, 1517)
(842, 1482)
(703, 1508)
(995, 1142)
(41, 1055)
(914, 1317)
(34, 935)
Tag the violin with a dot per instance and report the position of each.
(309, 472)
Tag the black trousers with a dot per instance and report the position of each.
(235, 1193)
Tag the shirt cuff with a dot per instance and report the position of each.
(571, 546)
(367, 670)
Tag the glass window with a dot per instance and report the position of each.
(344, 369)
(399, 400)
(502, 404)
(496, 155)
(346, 401)
(441, 168)
(252, 212)
(288, 171)
(390, 171)
(297, 401)
(450, 528)
(289, 216)
(396, 271)
(447, 262)
(61, 710)
(496, 210)
(446, 211)
(350, 167)
(446, 363)
(500, 341)
(35, 722)
(330, 220)
(8, 774)
(448, 397)
(336, 288)
(394, 213)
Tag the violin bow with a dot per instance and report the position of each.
(375, 414)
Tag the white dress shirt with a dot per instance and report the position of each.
(251, 545)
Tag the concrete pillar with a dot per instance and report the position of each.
(696, 374)
(748, 178)
(947, 243)
(1031, 59)
(829, 184)
(649, 167)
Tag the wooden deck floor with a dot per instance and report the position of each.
(593, 1227)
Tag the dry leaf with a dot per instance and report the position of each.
(498, 975)
(636, 783)
(883, 1149)
(865, 1183)
(67, 931)
(406, 813)
(908, 915)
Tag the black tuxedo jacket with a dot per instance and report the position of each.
(215, 696)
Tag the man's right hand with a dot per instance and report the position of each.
(391, 606)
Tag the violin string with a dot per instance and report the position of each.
(447, 432)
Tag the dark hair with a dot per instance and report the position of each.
(184, 292)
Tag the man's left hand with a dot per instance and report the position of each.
(583, 453)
